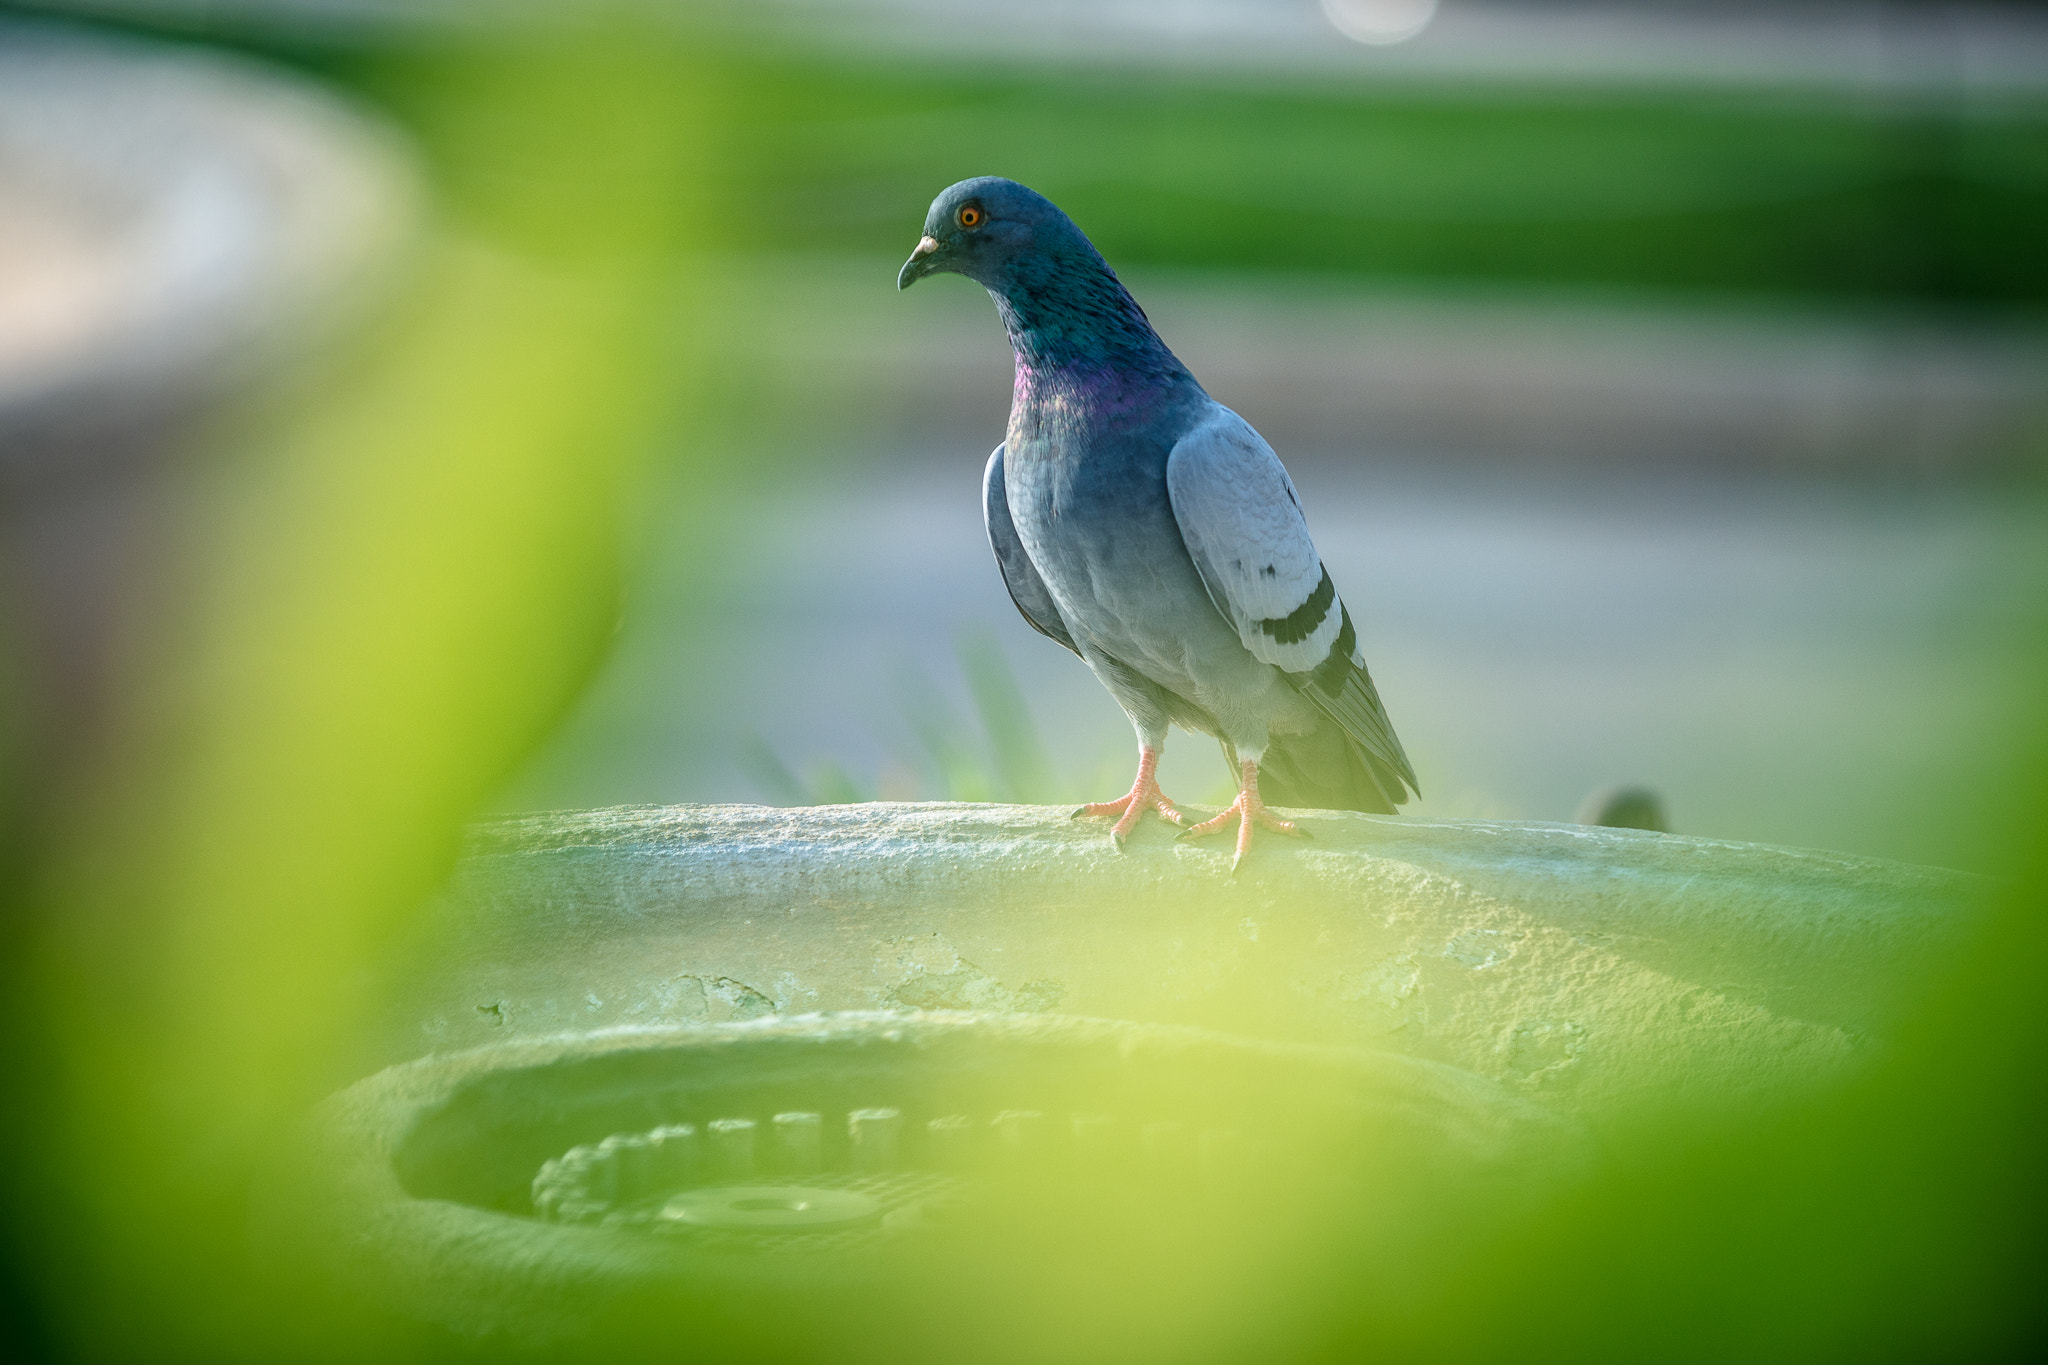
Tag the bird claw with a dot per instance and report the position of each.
(1209, 826)
(1247, 813)
(1129, 808)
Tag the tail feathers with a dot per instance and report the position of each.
(1327, 770)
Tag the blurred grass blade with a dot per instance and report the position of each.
(832, 785)
(768, 772)
(1020, 758)
(942, 735)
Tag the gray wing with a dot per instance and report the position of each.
(1027, 589)
(1241, 519)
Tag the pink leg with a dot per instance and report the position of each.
(1246, 812)
(1144, 795)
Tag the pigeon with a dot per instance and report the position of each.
(1154, 533)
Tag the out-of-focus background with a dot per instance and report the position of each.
(1667, 383)
(410, 411)
(1666, 388)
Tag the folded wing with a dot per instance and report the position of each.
(1242, 522)
(1027, 589)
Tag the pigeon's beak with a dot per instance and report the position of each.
(920, 263)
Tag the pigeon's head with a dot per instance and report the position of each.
(996, 233)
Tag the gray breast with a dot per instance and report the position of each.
(1099, 526)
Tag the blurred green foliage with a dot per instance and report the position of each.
(1921, 194)
(1773, 192)
(996, 755)
(400, 575)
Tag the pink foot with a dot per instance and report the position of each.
(1144, 795)
(1248, 811)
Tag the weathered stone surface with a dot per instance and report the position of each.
(1582, 966)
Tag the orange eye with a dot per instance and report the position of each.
(969, 216)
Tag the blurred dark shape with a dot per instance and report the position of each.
(1624, 807)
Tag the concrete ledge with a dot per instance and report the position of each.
(1590, 968)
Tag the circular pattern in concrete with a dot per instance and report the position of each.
(772, 1208)
(992, 1135)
